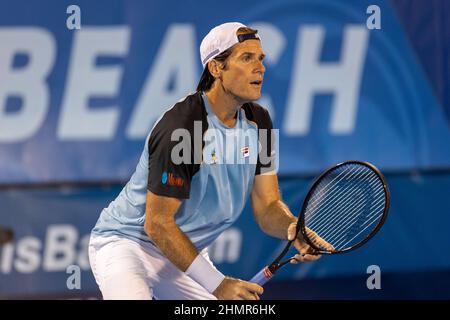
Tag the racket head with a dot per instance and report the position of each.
(352, 185)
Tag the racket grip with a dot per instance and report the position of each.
(262, 277)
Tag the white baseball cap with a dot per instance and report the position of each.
(222, 38)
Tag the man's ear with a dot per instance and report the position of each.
(215, 68)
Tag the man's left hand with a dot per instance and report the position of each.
(306, 252)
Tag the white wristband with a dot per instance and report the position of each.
(204, 273)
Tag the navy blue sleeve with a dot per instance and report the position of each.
(172, 164)
(165, 177)
(266, 135)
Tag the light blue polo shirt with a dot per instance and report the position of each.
(214, 187)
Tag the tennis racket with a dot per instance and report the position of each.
(344, 208)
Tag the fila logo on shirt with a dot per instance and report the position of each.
(245, 151)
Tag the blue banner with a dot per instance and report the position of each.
(77, 104)
(52, 228)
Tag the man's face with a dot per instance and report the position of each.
(244, 73)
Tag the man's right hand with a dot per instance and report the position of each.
(235, 289)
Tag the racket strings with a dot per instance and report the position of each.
(353, 208)
(342, 245)
(369, 221)
(327, 204)
(342, 235)
(344, 238)
(345, 205)
(349, 227)
(323, 191)
(338, 198)
(336, 187)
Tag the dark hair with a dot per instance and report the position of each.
(207, 79)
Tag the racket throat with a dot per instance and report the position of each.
(270, 271)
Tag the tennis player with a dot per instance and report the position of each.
(152, 240)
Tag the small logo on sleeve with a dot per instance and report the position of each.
(164, 178)
(170, 179)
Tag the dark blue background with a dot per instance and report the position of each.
(402, 126)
